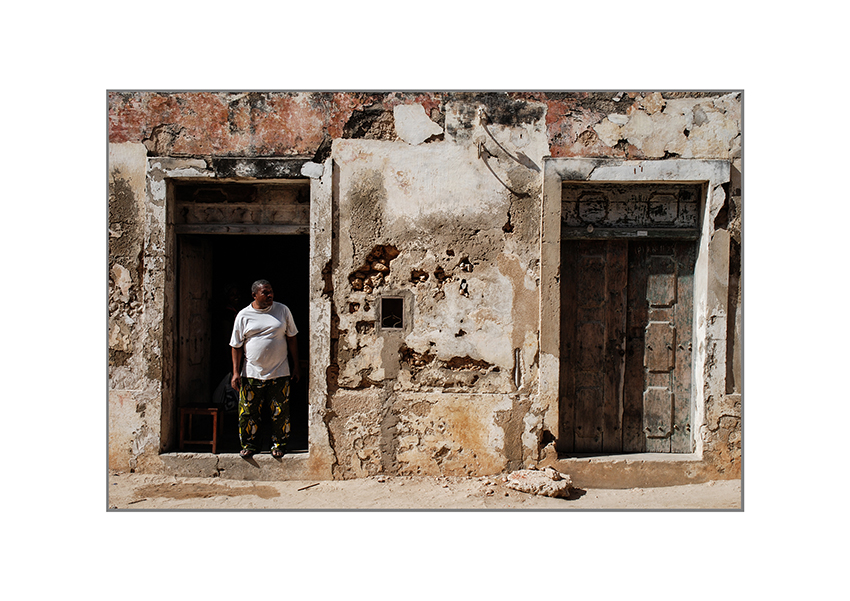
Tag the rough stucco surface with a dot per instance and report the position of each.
(437, 199)
(296, 124)
(134, 378)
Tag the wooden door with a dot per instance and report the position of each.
(625, 346)
(194, 305)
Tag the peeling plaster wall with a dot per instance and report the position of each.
(705, 125)
(135, 373)
(463, 253)
(436, 198)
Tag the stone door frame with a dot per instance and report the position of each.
(711, 274)
(160, 244)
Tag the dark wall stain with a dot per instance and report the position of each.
(327, 279)
(257, 168)
(118, 358)
(389, 440)
(366, 199)
(323, 152)
(501, 108)
(125, 248)
(123, 216)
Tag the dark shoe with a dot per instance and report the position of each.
(278, 453)
(246, 453)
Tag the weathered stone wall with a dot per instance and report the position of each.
(437, 198)
(129, 388)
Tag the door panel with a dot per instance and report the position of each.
(616, 274)
(657, 415)
(195, 287)
(634, 440)
(681, 440)
(593, 324)
(658, 354)
(659, 324)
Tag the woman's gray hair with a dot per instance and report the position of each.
(259, 284)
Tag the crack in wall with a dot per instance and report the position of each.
(327, 416)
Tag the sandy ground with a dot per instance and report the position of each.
(140, 491)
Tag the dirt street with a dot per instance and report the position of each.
(139, 491)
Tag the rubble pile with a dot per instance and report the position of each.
(547, 482)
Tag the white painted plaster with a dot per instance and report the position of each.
(312, 170)
(608, 131)
(496, 433)
(191, 171)
(434, 180)
(368, 356)
(122, 281)
(532, 424)
(412, 124)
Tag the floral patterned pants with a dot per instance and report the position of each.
(254, 394)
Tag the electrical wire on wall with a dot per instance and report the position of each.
(484, 154)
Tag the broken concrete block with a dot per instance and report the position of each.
(548, 482)
(412, 124)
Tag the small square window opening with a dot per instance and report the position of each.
(392, 313)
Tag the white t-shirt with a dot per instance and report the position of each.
(264, 332)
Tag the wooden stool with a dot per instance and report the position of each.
(190, 411)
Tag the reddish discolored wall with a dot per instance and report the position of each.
(263, 124)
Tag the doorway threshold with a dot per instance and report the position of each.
(639, 470)
(629, 456)
(295, 465)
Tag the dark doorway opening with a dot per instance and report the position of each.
(215, 273)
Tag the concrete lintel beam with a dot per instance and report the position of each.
(602, 170)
